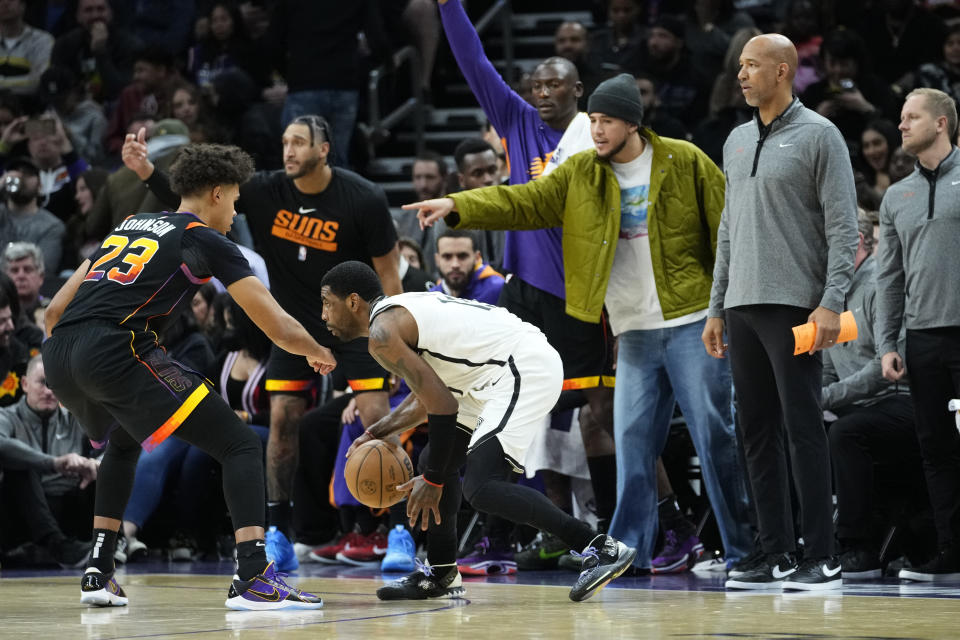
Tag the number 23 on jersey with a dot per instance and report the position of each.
(138, 253)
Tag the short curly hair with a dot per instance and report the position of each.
(200, 167)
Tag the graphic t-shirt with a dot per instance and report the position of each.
(632, 300)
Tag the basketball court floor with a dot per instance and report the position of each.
(186, 601)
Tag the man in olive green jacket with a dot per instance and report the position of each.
(639, 215)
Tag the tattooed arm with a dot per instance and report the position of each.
(391, 336)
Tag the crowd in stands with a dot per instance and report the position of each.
(79, 77)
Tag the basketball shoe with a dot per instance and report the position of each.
(677, 555)
(604, 559)
(426, 582)
(327, 554)
(401, 551)
(280, 550)
(945, 567)
(816, 574)
(544, 552)
(268, 592)
(489, 558)
(860, 564)
(101, 590)
(368, 550)
(768, 573)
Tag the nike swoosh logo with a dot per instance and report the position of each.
(302, 210)
(830, 572)
(61, 437)
(550, 555)
(777, 574)
(260, 543)
(789, 144)
(270, 597)
(955, 182)
(379, 550)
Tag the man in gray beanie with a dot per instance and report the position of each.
(649, 260)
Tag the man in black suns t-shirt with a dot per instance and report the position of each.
(305, 220)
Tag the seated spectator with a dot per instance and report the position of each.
(411, 252)
(943, 74)
(225, 46)
(47, 473)
(570, 41)
(82, 118)
(620, 45)
(682, 89)
(803, 28)
(97, 52)
(429, 176)
(26, 331)
(851, 94)
(14, 354)
(51, 150)
(654, 117)
(709, 27)
(879, 140)
(78, 245)
(24, 49)
(23, 263)
(875, 424)
(189, 106)
(148, 93)
(902, 164)
(463, 273)
(22, 219)
(124, 193)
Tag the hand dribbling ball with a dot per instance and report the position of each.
(373, 472)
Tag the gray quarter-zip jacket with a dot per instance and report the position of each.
(788, 234)
(918, 277)
(26, 444)
(851, 371)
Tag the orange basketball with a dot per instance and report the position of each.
(373, 472)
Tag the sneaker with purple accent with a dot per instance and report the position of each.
(677, 555)
(489, 558)
(101, 589)
(268, 592)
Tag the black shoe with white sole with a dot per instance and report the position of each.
(860, 564)
(945, 567)
(604, 559)
(767, 574)
(816, 574)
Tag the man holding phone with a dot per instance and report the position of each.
(22, 219)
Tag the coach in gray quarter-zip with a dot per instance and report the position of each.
(785, 256)
(918, 285)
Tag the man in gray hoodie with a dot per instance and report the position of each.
(785, 256)
(918, 287)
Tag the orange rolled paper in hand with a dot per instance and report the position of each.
(805, 334)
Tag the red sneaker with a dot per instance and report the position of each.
(366, 550)
(327, 554)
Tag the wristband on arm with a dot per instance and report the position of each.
(442, 430)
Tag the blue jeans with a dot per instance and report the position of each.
(339, 107)
(656, 369)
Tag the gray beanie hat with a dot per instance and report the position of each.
(617, 97)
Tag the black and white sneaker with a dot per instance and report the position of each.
(766, 574)
(816, 574)
(101, 589)
(945, 567)
(860, 564)
(425, 583)
(604, 559)
(749, 562)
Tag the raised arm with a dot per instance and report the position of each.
(280, 327)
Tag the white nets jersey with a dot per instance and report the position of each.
(467, 343)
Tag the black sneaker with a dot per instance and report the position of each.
(945, 567)
(816, 574)
(768, 573)
(604, 559)
(425, 583)
(749, 562)
(542, 553)
(860, 564)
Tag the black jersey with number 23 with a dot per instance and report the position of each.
(147, 270)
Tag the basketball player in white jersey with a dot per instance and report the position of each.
(483, 380)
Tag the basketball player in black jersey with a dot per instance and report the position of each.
(104, 363)
(305, 220)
